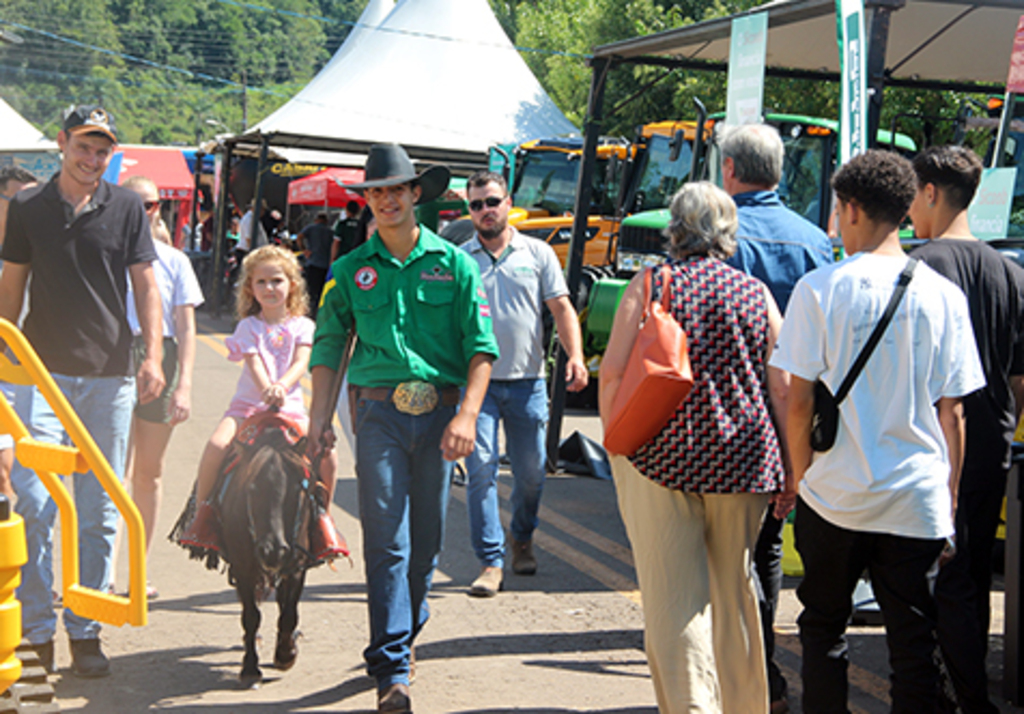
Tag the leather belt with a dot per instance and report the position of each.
(408, 397)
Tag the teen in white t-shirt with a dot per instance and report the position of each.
(881, 498)
(889, 469)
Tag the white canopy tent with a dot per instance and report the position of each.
(437, 76)
(17, 134)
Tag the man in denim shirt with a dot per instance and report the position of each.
(777, 246)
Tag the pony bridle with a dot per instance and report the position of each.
(292, 564)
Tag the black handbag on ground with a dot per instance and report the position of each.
(825, 422)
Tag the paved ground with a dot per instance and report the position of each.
(567, 640)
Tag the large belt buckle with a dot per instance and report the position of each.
(415, 398)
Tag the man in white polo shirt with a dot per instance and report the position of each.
(521, 275)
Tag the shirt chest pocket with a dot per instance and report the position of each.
(436, 294)
(373, 314)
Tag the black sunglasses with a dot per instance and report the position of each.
(477, 204)
(150, 205)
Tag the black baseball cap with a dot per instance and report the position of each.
(89, 119)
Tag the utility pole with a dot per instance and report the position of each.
(245, 103)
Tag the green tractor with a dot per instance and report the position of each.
(811, 148)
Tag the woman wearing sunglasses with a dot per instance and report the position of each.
(152, 423)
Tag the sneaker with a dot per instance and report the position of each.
(488, 583)
(88, 660)
(203, 531)
(394, 700)
(44, 652)
(523, 562)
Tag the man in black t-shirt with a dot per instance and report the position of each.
(346, 232)
(948, 177)
(317, 241)
(79, 238)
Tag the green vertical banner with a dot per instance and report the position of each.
(853, 65)
(745, 90)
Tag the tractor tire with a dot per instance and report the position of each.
(33, 693)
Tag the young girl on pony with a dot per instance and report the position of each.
(273, 340)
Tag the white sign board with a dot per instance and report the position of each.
(745, 90)
(989, 213)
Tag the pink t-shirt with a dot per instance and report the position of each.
(275, 344)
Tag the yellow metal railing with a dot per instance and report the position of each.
(50, 461)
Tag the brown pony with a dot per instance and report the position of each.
(266, 508)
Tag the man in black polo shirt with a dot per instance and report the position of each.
(79, 238)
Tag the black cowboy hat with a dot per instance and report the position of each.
(390, 165)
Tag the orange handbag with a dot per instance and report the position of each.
(657, 376)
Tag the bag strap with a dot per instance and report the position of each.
(876, 335)
(666, 285)
(647, 295)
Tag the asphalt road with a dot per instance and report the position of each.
(566, 640)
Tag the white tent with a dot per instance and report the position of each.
(438, 76)
(372, 16)
(375, 12)
(17, 134)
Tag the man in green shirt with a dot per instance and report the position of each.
(424, 331)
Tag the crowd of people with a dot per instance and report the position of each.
(906, 492)
(909, 492)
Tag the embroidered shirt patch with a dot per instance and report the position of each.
(437, 274)
(366, 278)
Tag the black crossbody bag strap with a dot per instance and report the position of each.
(876, 335)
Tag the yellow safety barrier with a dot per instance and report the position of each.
(50, 461)
(12, 556)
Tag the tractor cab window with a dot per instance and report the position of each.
(661, 178)
(801, 187)
(1015, 157)
(547, 180)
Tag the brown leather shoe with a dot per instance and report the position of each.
(395, 700)
(523, 562)
(204, 530)
(779, 706)
(488, 583)
(328, 543)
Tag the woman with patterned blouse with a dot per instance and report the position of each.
(693, 497)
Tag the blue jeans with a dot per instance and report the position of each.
(104, 405)
(13, 393)
(523, 405)
(403, 498)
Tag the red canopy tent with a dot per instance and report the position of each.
(325, 188)
(167, 168)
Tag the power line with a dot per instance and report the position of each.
(397, 31)
(140, 60)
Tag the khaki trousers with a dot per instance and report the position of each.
(702, 627)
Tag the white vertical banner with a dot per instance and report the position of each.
(853, 63)
(745, 88)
